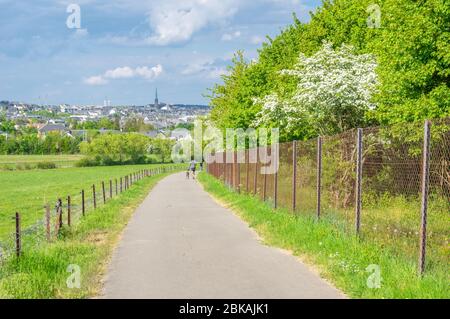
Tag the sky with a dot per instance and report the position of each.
(86, 51)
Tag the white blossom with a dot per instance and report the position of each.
(334, 90)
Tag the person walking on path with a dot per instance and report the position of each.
(192, 167)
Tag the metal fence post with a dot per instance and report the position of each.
(18, 235)
(319, 174)
(425, 187)
(359, 146)
(294, 175)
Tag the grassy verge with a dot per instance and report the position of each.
(43, 272)
(340, 257)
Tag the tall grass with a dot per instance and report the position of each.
(339, 255)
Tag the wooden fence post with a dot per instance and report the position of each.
(18, 235)
(425, 189)
(110, 189)
(60, 213)
(83, 207)
(294, 175)
(319, 175)
(359, 145)
(68, 211)
(104, 193)
(94, 196)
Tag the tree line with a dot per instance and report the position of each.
(338, 71)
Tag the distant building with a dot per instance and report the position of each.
(49, 127)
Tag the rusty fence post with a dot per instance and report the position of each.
(68, 211)
(18, 235)
(319, 175)
(425, 189)
(359, 146)
(94, 196)
(47, 222)
(294, 175)
(83, 207)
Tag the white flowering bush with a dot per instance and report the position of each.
(333, 93)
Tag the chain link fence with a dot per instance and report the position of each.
(367, 181)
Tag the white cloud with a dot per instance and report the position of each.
(210, 69)
(95, 80)
(176, 21)
(125, 72)
(256, 39)
(216, 73)
(231, 36)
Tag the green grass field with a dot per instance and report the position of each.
(338, 254)
(11, 162)
(43, 272)
(28, 191)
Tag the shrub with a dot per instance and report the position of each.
(86, 162)
(46, 165)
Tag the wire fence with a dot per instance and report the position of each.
(66, 212)
(389, 185)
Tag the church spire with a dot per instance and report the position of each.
(156, 98)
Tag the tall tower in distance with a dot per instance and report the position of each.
(156, 98)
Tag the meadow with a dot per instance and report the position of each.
(27, 191)
(43, 272)
(12, 162)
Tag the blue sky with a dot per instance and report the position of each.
(124, 49)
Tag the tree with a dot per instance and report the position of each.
(136, 124)
(162, 147)
(110, 149)
(334, 90)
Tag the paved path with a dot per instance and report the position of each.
(181, 244)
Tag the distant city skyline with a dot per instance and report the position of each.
(123, 50)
